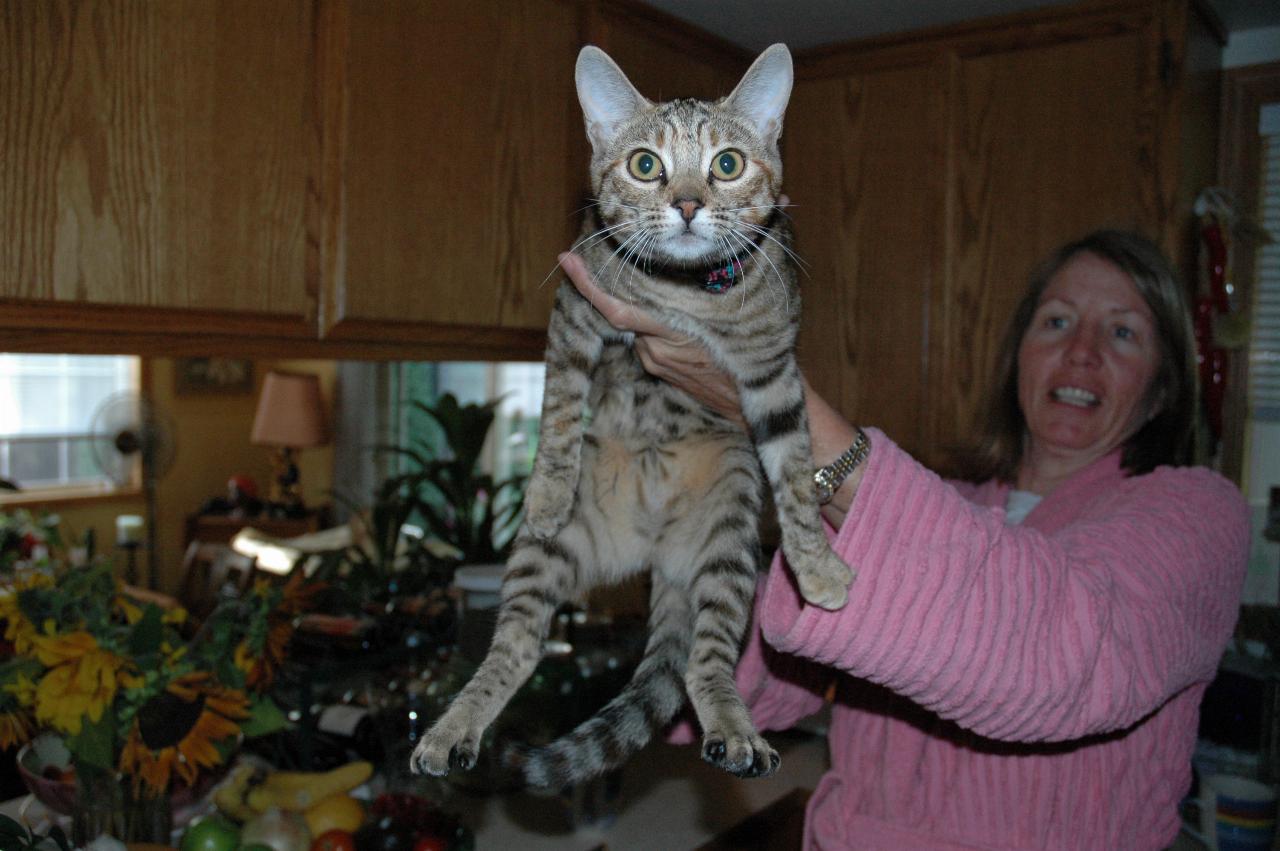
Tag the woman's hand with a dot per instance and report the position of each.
(664, 353)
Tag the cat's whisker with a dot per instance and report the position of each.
(588, 241)
(781, 281)
(767, 234)
(626, 249)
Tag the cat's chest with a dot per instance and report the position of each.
(630, 404)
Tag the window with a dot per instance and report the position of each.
(47, 403)
(1264, 355)
(513, 436)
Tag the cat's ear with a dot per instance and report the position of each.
(606, 95)
(763, 93)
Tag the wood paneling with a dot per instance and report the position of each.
(155, 153)
(460, 177)
(933, 171)
(1048, 143)
(869, 214)
(663, 60)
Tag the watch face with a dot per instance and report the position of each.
(824, 490)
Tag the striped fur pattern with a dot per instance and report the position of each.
(652, 480)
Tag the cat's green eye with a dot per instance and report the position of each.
(728, 165)
(645, 165)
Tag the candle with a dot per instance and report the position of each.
(129, 529)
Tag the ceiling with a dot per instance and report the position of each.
(801, 24)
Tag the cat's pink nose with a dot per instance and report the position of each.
(687, 207)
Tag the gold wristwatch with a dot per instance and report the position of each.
(829, 478)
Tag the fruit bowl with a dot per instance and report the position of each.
(44, 764)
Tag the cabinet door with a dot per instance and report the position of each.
(155, 154)
(462, 163)
(925, 194)
(866, 171)
(1048, 143)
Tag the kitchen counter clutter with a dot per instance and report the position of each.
(665, 798)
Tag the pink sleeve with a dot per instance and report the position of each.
(1014, 633)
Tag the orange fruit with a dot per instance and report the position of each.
(336, 812)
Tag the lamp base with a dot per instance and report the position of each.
(286, 485)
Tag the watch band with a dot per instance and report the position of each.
(829, 478)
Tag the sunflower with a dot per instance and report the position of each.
(82, 680)
(17, 628)
(175, 732)
(260, 655)
(16, 723)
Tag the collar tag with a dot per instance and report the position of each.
(722, 278)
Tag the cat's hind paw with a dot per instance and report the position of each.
(742, 756)
(825, 581)
(442, 750)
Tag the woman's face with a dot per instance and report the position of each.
(1086, 361)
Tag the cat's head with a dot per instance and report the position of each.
(684, 183)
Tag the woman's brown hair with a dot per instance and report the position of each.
(1168, 437)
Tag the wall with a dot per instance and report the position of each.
(212, 433)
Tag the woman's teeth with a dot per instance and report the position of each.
(1075, 396)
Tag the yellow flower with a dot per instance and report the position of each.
(17, 628)
(23, 689)
(15, 728)
(81, 681)
(175, 732)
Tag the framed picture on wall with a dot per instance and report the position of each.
(222, 376)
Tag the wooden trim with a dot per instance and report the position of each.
(658, 25)
(24, 315)
(327, 196)
(355, 341)
(1244, 91)
(66, 496)
(1019, 30)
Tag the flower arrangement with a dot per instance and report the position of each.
(131, 688)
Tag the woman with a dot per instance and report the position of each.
(1021, 660)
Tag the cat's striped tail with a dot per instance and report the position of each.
(653, 696)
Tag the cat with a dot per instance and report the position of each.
(686, 227)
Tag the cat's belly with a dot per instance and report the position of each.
(630, 497)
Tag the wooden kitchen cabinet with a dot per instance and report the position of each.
(466, 156)
(461, 166)
(155, 156)
(931, 172)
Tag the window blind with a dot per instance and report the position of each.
(1264, 350)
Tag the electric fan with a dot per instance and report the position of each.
(128, 434)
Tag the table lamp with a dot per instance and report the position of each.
(290, 416)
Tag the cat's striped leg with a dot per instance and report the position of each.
(573, 351)
(539, 576)
(773, 406)
(650, 699)
(727, 551)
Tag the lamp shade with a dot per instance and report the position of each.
(290, 412)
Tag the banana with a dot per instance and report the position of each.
(298, 790)
(230, 795)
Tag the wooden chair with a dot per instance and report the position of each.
(213, 572)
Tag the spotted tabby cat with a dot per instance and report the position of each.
(687, 229)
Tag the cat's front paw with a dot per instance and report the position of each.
(824, 581)
(547, 506)
(447, 745)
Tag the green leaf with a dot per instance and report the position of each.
(264, 718)
(60, 838)
(148, 632)
(95, 743)
(11, 828)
